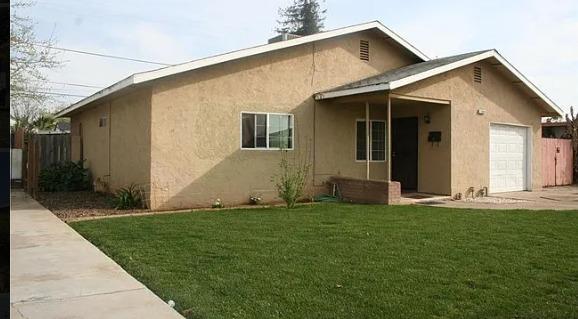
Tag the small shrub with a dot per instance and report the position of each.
(64, 177)
(217, 203)
(255, 200)
(128, 197)
(290, 182)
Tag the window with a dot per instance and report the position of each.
(266, 131)
(102, 122)
(377, 141)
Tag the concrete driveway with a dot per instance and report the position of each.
(551, 198)
(56, 273)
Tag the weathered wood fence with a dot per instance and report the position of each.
(557, 166)
(41, 151)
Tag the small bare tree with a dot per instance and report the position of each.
(29, 59)
(572, 130)
(292, 178)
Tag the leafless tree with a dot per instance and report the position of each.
(29, 59)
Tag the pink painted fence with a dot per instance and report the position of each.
(556, 162)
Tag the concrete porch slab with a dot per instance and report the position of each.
(551, 198)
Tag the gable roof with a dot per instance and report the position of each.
(142, 77)
(406, 75)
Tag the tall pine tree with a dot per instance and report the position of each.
(303, 17)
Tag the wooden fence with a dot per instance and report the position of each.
(557, 166)
(41, 151)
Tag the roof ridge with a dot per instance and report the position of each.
(141, 77)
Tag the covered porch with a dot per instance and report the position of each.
(376, 147)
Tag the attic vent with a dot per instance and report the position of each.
(364, 50)
(477, 74)
(102, 121)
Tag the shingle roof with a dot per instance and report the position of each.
(406, 71)
(400, 77)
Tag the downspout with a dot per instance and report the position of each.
(367, 140)
(109, 136)
(388, 142)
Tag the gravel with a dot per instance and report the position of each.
(76, 205)
(494, 200)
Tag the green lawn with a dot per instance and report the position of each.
(352, 261)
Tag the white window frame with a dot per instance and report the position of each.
(370, 139)
(267, 148)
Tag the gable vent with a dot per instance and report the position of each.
(477, 74)
(364, 50)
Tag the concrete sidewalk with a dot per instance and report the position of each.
(56, 273)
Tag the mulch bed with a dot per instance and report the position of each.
(78, 205)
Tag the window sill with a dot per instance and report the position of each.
(266, 149)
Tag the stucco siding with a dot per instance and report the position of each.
(335, 143)
(502, 102)
(434, 159)
(196, 155)
(130, 141)
(118, 153)
(95, 140)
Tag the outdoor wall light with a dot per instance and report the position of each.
(427, 118)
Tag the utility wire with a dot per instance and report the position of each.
(99, 54)
(76, 84)
(50, 93)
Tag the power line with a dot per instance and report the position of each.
(50, 93)
(76, 84)
(99, 54)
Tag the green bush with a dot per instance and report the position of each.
(128, 197)
(64, 177)
(291, 180)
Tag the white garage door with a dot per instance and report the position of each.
(508, 160)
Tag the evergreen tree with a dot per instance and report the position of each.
(303, 17)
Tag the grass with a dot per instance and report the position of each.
(352, 261)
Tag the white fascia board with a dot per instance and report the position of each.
(482, 56)
(439, 70)
(401, 41)
(405, 81)
(353, 91)
(529, 84)
(166, 71)
(189, 66)
(100, 94)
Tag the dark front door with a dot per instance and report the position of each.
(404, 152)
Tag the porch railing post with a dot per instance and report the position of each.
(367, 139)
(388, 143)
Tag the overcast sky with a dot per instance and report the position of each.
(540, 38)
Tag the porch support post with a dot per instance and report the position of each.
(367, 139)
(388, 142)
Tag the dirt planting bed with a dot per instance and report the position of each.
(78, 205)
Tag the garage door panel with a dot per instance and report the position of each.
(508, 158)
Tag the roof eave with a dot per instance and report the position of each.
(96, 96)
(442, 69)
(230, 56)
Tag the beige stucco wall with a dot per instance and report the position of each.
(95, 140)
(335, 144)
(434, 160)
(119, 153)
(196, 155)
(502, 101)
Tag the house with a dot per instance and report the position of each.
(555, 130)
(360, 103)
